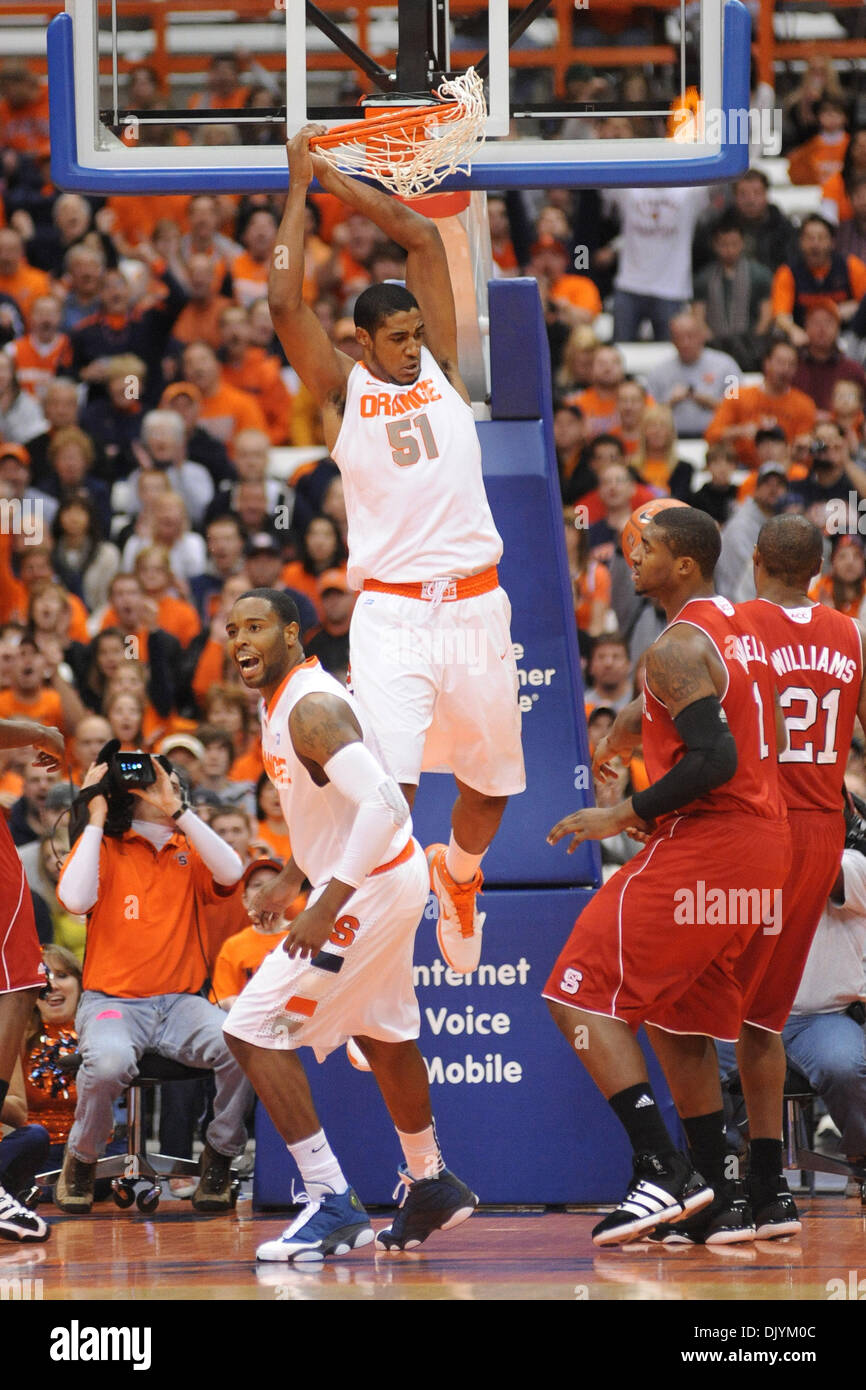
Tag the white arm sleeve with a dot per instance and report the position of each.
(220, 858)
(79, 888)
(381, 810)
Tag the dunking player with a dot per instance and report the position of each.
(634, 955)
(22, 974)
(817, 657)
(422, 543)
(345, 968)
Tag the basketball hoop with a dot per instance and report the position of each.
(411, 150)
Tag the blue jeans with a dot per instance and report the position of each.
(113, 1034)
(23, 1153)
(830, 1051)
(630, 310)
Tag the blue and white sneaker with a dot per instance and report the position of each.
(332, 1225)
(427, 1205)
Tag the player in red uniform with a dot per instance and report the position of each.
(817, 657)
(22, 973)
(658, 942)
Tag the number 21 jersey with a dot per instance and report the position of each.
(410, 461)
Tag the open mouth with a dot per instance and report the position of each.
(249, 665)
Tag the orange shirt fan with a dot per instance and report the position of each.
(412, 149)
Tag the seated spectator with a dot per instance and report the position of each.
(610, 674)
(249, 270)
(569, 438)
(838, 201)
(24, 110)
(616, 490)
(115, 417)
(263, 564)
(693, 381)
(251, 370)
(632, 400)
(769, 236)
(571, 299)
(824, 1035)
(60, 408)
(186, 753)
(846, 408)
(206, 661)
(125, 714)
(91, 732)
(151, 485)
(223, 89)
(719, 494)
(184, 400)
(242, 954)
(133, 615)
(203, 237)
(151, 977)
(599, 402)
(817, 271)
(656, 461)
(271, 827)
(844, 587)
(822, 156)
(163, 447)
(832, 472)
(132, 678)
(198, 321)
(251, 453)
(822, 362)
(733, 294)
(604, 452)
(21, 417)
(42, 352)
(330, 642)
(578, 355)
(38, 510)
(226, 707)
(43, 861)
(174, 614)
(590, 580)
(71, 456)
(800, 107)
(71, 226)
(321, 549)
(214, 779)
(102, 660)
(84, 273)
(500, 236)
(27, 696)
(774, 402)
(171, 529)
(224, 410)
(83, 561)
(121, 327)
(19, 280)
(734, 578)
(29, 818)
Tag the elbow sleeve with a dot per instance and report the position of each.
(709, 761)
(380, 810)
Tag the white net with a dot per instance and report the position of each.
(411, 151)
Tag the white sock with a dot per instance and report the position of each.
(318, 1166)
(461, 865)
(422, 1153)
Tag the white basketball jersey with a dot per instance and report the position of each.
(411, 467)
(319, 818)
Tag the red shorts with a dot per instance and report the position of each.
(21, 964)
(673, 921)
(771, 967)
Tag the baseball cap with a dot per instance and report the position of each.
(15, 451)
(262, 543)
(180, 388)
(549, 243)
(771, 467)
(187, 741)
(259, 864)
(333, 579)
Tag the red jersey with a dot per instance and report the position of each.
(747, 704)
(816, 656)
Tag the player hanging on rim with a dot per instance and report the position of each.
(345, 969)
(432, 664)
(718, 832)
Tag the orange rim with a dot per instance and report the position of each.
(407, 118)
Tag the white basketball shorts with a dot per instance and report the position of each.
(362, 983)
(437, 686)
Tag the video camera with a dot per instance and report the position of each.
(125, 771)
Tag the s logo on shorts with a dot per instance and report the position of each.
(570, 982)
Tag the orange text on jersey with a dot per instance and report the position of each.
(421, 394)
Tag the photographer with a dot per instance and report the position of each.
(832, 471)
(143, 869)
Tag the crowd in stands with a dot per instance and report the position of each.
(143, 393)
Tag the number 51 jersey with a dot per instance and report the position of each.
(816, 656)
(410, 461)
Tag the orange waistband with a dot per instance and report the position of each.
(441, 590)
(406, 853)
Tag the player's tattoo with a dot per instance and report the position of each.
(677, 673)
(320, 725)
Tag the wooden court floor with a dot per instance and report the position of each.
(496, 1256)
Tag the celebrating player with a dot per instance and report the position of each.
(422, 543)
(645, 950)
(817, 656)
(345, 968)
(22, 973)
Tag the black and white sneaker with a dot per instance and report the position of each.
(660, 1190)
(18, 1222)
(726, 1221)
(775, 1210)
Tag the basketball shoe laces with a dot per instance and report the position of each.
(462, 896)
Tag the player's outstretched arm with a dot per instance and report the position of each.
(427, 274)
(24, 733)
(327, 738)
(323, 370)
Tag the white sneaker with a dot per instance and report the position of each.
(460, 924)
(18, 1222)
(332, 1225)
(356, 1056)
